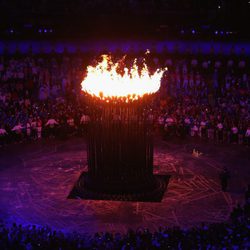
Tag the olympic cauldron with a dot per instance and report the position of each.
(119, 136)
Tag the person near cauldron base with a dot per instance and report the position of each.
(224, 177)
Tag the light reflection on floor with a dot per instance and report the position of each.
(36, 179)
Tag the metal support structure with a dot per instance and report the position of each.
(120, 152)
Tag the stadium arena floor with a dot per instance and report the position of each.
(35, 180)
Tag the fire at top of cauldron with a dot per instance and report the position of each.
(114, 81)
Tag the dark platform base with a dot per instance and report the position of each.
(79, 191)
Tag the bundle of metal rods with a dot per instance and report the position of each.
(120, 146)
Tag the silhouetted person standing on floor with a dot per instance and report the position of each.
(247, 194)
(224, 176)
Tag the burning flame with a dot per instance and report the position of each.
(104, 81)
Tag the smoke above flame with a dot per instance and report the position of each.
(108, 80)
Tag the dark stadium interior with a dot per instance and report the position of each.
(125, 18)
(193, 129)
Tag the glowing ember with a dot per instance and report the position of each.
(104, 81)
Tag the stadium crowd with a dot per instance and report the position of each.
(200, 96)
(204, 97)
(234, 234)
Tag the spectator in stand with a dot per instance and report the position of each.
(203, 128)
(247, 135)
(39, 128)
(84, 123)
(234, 135)
(219, 133)
(17, 132)
(70, 125)
(51, 125)
(195, 130)
(3, 134)
(28, 129)
(33, 125)
(169, 126)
